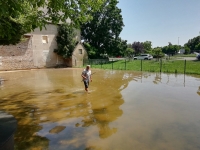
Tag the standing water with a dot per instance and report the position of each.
(125, 110)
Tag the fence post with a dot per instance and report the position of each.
(112, 64)
(160, 65)
(101, 63)
(125, 63)
(141, 64)
(91, 62)
(184, 66)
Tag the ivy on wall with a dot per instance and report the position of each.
(65, 40)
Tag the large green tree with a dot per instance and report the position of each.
(21, 16)
(103, 30)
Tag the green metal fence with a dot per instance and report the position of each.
(160, 65)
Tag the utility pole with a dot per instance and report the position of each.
(178, 46)
(199, 39)
(199, 36)
(178, 41)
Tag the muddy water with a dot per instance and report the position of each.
(125, 110)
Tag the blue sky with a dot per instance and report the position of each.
(160, 21)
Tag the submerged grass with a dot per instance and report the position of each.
(167, 66)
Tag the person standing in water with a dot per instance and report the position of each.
(87, 77)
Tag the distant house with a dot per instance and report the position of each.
(78, 56)
(37, 51)
(181, 51)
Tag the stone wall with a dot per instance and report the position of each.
(43, 52)
(18, 56)
(37, 51)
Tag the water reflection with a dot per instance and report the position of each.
(198, 91)
(157, 78)
(131, 108)
(53, 106)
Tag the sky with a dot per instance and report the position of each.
(160, 21)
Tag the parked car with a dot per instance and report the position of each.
(198, 56)
(143, 57)
(151, 57)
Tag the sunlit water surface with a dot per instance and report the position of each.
(125, 110)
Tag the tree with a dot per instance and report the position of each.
(165, 49)
(174, 49)
(103, 30)
(157, 52)
(129, 52)
(197, 47)
(147, 46)
(187, 50)
(192, 43)
(138, 47)
(129, 45)
(117, 47)
(14, 26)
(21, 16)
(14, 36)
(65, 40)
(92, 51)
(171, 49)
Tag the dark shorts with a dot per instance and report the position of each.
(86, 83)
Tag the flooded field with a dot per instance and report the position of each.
(125, 110)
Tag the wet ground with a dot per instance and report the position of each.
(124, 110)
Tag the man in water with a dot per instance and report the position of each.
(86, 75)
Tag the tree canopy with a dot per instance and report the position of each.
(157, 52)
(138, 47)
(102, 32)
(147, 46)
(171, 49)
(22, 16)
(193, 43)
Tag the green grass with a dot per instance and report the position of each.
(168, 66)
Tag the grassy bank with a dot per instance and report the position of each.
(167, 66)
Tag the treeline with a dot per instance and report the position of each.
(123, 49)
(100, 23)
(19, 17)
(100, 37)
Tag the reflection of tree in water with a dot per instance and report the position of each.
(105, 105)
(157, 78)
(198, 91)
(102, 116)
(27, 120)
